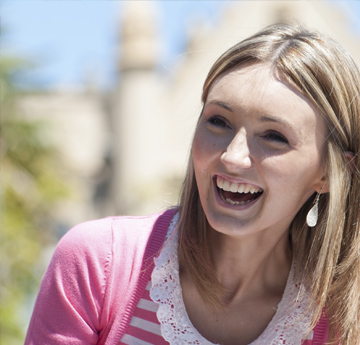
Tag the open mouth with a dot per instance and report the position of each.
(237, 193)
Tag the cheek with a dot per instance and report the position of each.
(196, 147)
(198, 157)
(202, 150)
(293, 172)
(205, 161)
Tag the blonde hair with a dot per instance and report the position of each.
(326, 74)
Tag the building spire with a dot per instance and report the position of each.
(139, 36)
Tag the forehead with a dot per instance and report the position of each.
(258, 80)
(255, 88)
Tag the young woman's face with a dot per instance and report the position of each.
(257, 152)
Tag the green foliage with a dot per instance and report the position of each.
(30, 187)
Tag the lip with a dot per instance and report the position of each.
(230, 206)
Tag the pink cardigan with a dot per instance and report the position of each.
(96, 279)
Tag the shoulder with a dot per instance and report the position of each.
(99, 238)
(95, 252)
(139, 229)
(94, 234)
(136, 239)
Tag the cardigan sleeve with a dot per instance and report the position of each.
(68, 309)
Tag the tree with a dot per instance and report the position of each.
(30, 188)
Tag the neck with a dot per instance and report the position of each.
(250, 264)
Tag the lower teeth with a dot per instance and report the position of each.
(232, 202)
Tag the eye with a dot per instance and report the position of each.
(218, 121)
(276, 137)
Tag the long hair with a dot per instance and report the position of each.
(327, 256)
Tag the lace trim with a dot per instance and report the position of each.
(288, 326)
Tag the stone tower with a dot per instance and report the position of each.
(136, 113)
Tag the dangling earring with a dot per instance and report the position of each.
(312, 216)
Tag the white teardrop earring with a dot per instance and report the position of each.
(312, 216)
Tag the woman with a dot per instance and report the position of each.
(264, 247)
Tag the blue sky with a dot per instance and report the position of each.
(66, 39)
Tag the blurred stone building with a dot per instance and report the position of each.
(125, 151)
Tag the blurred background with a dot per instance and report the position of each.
(99, 100)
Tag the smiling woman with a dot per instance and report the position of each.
(236, 262)
(281, 114)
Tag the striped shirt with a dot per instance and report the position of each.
(144, 328)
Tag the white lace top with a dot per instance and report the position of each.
(288, 326)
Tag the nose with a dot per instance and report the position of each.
(237, 153)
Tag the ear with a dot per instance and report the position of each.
(350, 157)
(322, 186)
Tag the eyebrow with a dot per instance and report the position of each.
(221, 104)
(270, 118)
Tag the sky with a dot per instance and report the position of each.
(67, 39)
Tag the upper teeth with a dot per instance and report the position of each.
(236, 187)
